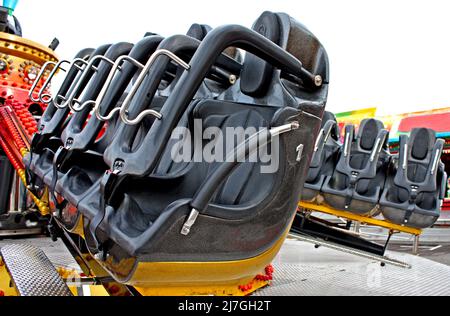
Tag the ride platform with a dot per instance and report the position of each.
(302, 269)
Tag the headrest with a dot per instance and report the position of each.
(421, 141)
(305, 46)
(198, 31)
(368, 132)
(148, 34)
(256, 74)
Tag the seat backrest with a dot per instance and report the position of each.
(365, 142)
(262, 85)
(421, 143)
(419, 162)
(361, 153)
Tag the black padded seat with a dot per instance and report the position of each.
(81, 164)
(76, 175)
(48, 138)
(325, 157)
(224, 211)
(417, 181)
(359, 177)
(44, 135)
(77, 120)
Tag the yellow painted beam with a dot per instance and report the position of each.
(362, 219)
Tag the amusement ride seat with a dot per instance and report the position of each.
(149, 97)
(359, 177)
(81, 165)
(47, 140)
(100, 65)
(417, 182)
(325, 157)
(213, 222)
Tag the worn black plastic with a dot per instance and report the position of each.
(250, 211)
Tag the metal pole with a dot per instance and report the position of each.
(357, 227)
(416, 245)
(14, 197)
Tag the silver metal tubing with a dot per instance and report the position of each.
(275, 131)
(117, 66)
(71, 100)
(378, 147)
(46, 98)
(375, 150)
(123, 110)
(416, 244)
(74, 64)
(349, 250)
(319, 139)
(347, 145)
(436, 161)
(38, 79)
(14, 196)
(405, 157)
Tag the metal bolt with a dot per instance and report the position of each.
(318, 81)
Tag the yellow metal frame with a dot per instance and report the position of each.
(362, 219)
(205, 278)
(25, 48)
(6, 286)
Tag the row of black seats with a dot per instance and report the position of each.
(362, 177)
(105, 151)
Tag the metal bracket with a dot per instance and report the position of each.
(190, 222)
(300, 152)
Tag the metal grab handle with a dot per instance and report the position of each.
(235, 157)
(74, 64)
(47, 82)
(381, 140)
(71, 100)
(37, 80)
(126, 104)
(97, 103)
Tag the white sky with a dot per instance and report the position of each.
(391, 54)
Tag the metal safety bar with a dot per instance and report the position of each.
(49, 79)
(117, 67)
(74, 64)
(123, 110)
(37, 80)
(71, 100)
(273, 132)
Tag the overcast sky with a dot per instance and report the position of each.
(394, 55)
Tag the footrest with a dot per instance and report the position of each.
(32, 272)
